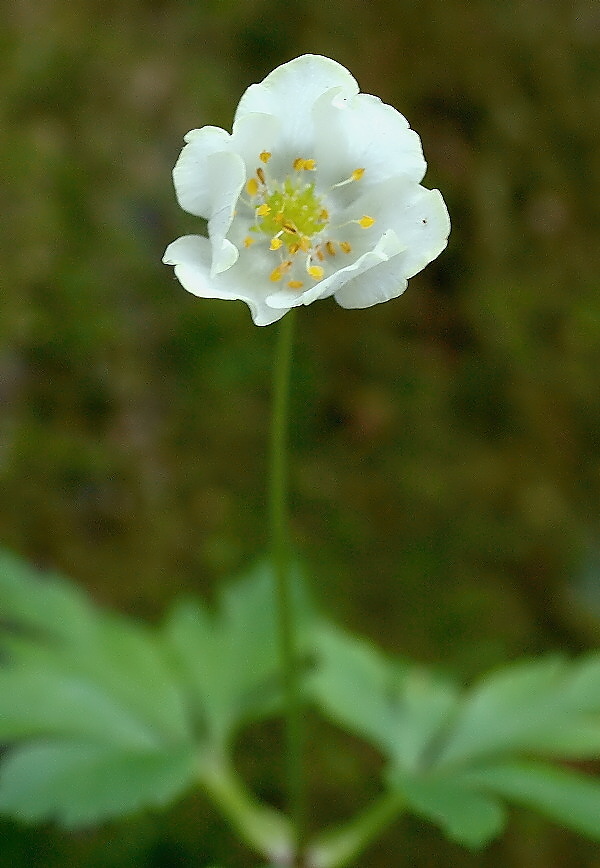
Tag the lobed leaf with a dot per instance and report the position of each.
(229, 660)
(91, 710)
(455, 759)
(57, 640)
(563, 795)
(78, 784)
(548, 706)
(400, 709)
(468, 816)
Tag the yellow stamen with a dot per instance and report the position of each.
(252, 186)
(345, 247)
(264, 156)
(315, 271)
(294, 248)
(330, 248)
(357, 174)
(304, 243)
(289, 227)
(324, 215)
(320, 254)
(263, 210)
(276, 274)
(366, 221)
(276, 243)
(302, 165)
(295, 284)
(248, 241)
(261, 175)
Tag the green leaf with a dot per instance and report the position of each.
(229, 660)
(80, 784)
(398, 708)
(565, 796)
(107, 665)
(469, 817)
(546, 706)
(44, 701)
(56, 608)
(94, 702)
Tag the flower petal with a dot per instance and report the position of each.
(290, 92)
(364, 132)
(418, 216)
(228, 173)
(387, 247)
(253, 133)
(191, 256)
(192, 179)
(380, 284)
(422, 224)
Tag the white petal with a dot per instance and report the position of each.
(424, 241)
(380, 284)
(418, 216)
(253, 133)
(191, 256)
(364, 133)
(290, 92)
(191, 175)
(228, 173)
(387, 247)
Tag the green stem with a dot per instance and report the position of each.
(284, 602)
(262, 828)
(341, 846)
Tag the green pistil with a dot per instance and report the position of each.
(296, 207)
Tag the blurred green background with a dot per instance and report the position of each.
(446, 457)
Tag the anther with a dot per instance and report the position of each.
(264, 156)
(320, 254)
(315, 271)
(261, 176)
(355, 176)
(345, 247)
(252, 186)
(324, 215)
(330, 247)
(305, 244)
(249, 241)
(300, 164)
(366, 221)
(263, 210)
(295, 284)
(276, 274)
(276, 243)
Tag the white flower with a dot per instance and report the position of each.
(315, 193)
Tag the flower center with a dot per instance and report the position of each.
(292, 213)
(295, 220)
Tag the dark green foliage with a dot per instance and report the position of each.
(93, 704)
(104, 717)
(453, 755)
(229, 662)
